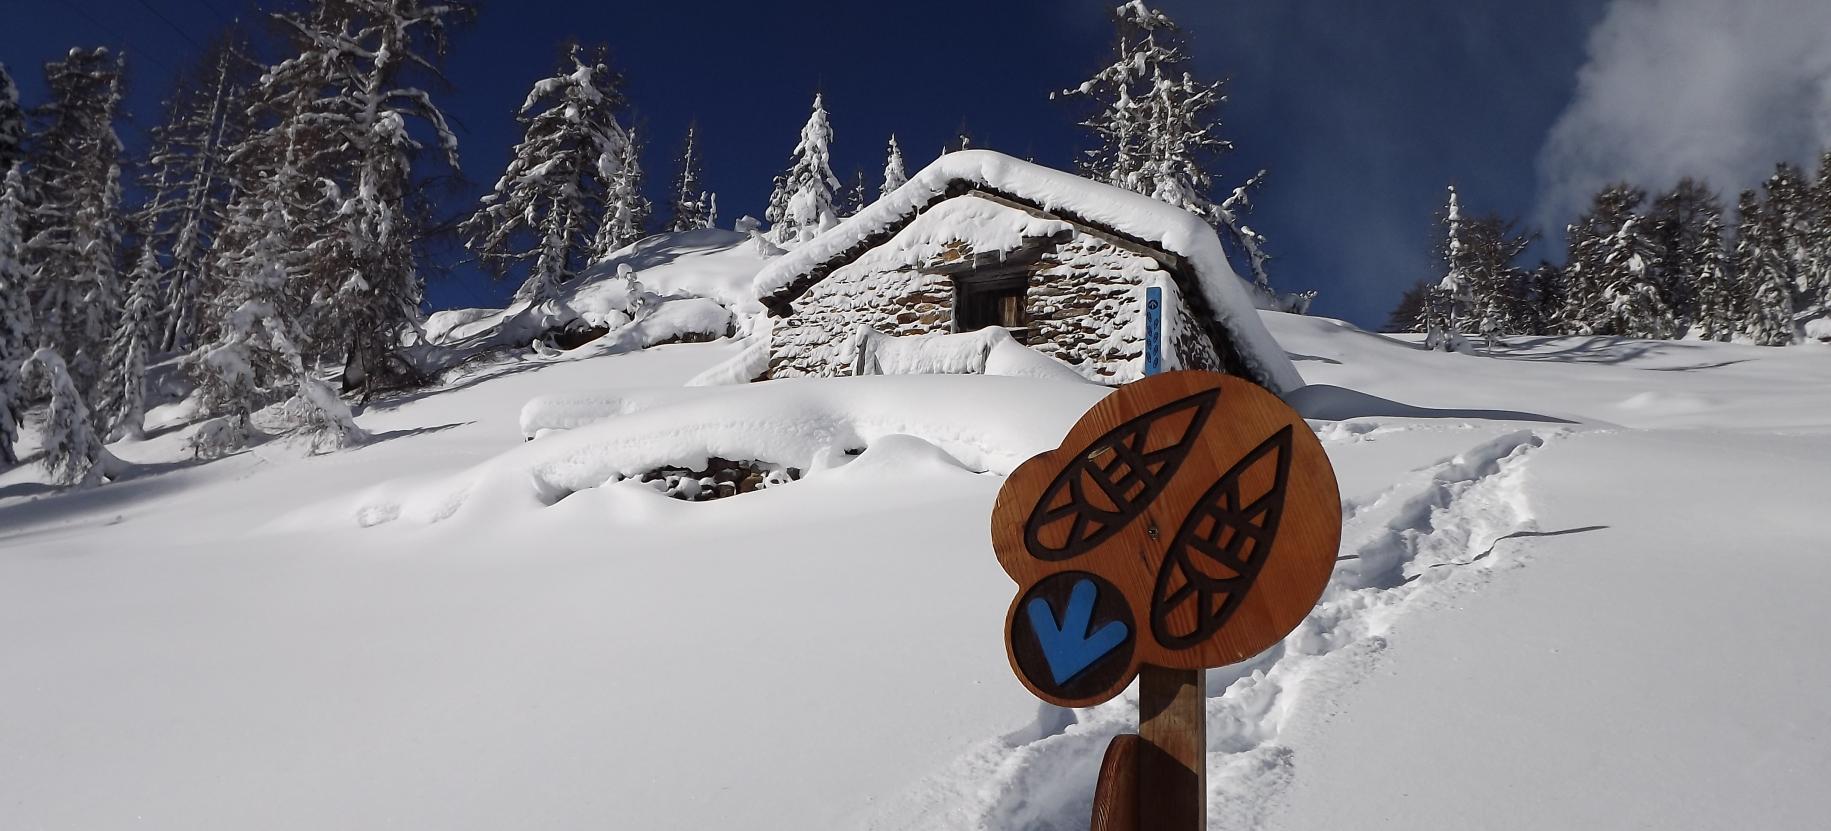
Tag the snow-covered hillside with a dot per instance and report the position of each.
(1581, 586)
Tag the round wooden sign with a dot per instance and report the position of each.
(1189, 520)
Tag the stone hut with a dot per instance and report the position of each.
(979, 239)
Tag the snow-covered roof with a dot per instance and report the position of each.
(1130, 216)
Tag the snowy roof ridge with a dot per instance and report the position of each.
(1130, 216)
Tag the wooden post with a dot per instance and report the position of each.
(1173, 761)
(1172, 703)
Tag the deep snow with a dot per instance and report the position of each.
(1582, 585)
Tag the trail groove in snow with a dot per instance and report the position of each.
(1433, 524)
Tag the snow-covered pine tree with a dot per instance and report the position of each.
(1157, 133)
(188, 182)
(1815, 274)
(257, 360)
(120, 403)
(1678, 218)
(1632, 294)
(545, 208)
(75, 224)
(15, 315)
(12, 123)
(692, 209)
(1545, 299)
(894, 172)
(340, 141)
(73, 453)
(1765, 273)
(1498, 287)
(1589, 274)
(626, 210)
(1712, 284)
(809, 184)
(1455, 294)
(1407, 315)
(856, 196)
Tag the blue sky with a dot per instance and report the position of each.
(1362, 111)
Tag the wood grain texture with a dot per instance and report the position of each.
(1205, 500)
(1173, 749)
(1116, 791)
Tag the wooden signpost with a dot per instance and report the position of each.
(1189, 520)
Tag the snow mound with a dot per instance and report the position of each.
(673, 321)
(901, 455)
(1139, 216)
(709, 262)
(988, 351)
(984, 423)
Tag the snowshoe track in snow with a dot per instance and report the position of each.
(1435, 523)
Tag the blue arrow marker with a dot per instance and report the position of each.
(1069, 647)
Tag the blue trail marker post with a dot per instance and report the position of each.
(1153, 330)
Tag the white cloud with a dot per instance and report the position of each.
(1716, 89)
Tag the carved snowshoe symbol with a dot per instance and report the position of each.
(1115, 478)
(1221, 547)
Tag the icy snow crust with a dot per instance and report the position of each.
(1176, 231)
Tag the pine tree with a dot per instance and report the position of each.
(338, 156)
(857, 195)
(15, 315)
(1679, 217)
(73, 453)
(188, 179)
(120, 408)
(257, 359)
(12, 124)
(1764, 270)
(807, 188)
(1455, 294)
(1498, 290)
(1590, 273)
(75, 236)
(1815, 274)
(626, 210)
(692, 204)
(1712, 283)
(1546, 299)
(1632, 294)
(544, 209)
(1408, 314)
(1156, 131)
(894, 173)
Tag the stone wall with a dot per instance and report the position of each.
(1085, 305)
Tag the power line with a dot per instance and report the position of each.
(220, 15)
(174, 27)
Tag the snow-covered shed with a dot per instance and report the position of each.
(980, 239)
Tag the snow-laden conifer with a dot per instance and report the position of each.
(1157, 132)
(15, 315)
(693, 205)
(1455, 293)
(340, 155)
(1764, 272)
(187, 179)
(544, 211)
(1598, 259)
(120, 402)
(626, 210)
(856, 196)
(12, 123)
(809, 185)
(1632, 293)
(73, 453)
(895, 173)
(75, 178)
(257, 361)
(1712, 282)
